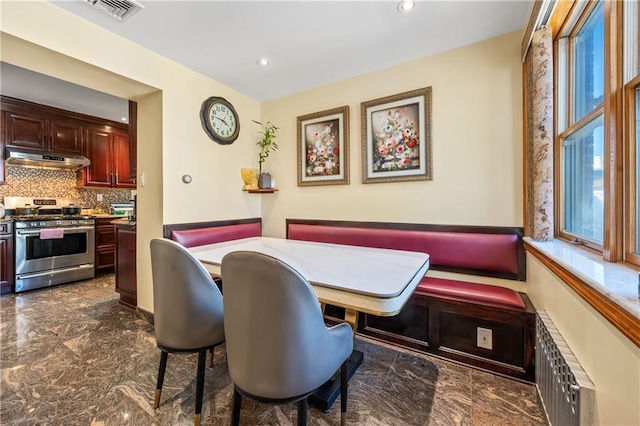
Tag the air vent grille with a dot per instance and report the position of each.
(121, 10)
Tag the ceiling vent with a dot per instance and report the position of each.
(121, 10)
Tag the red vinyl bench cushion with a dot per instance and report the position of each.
(490, 252)
(471, 292)
(217, 234)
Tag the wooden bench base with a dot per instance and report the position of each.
(449, 328)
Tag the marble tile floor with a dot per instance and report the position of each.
(72, 355)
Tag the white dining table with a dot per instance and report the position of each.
(359, 279)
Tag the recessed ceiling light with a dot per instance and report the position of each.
(263, 61)
(406, 5)
(123, 118)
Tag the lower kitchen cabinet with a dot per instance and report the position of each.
(6, 258)
(126, 264)
(105, 245)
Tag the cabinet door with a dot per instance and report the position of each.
(26, 130)
(6, 258)
(122, 161)
(3, 130)
(98, 149)
(66, 136)
(126, 267)
(133, 140)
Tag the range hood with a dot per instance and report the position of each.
(44, 159)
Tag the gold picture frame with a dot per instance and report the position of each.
(396, 137)
(323, 147)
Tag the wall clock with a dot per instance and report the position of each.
(220, 120)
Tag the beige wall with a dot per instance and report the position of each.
(477, 148)
(610, 359)
(43, 37)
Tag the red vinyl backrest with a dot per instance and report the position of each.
(217, 234)
(490, 252)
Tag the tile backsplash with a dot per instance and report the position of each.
(25, 182)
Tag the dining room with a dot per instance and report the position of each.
(455, 155)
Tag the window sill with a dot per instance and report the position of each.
(612, 289)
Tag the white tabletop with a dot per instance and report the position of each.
(367, 279)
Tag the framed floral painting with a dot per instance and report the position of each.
(396, 137)
(323, 147)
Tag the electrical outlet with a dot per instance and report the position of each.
(485, 339)
(99, 197)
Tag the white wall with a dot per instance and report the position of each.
(477, 144)
(40, 36)
(610, 359)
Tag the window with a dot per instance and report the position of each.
(597, 137)
(581, 142)
(637, 177)
(632, 253)
(582, 155)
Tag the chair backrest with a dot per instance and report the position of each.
(276, 339)
(188, 309)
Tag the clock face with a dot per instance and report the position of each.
(220, 120)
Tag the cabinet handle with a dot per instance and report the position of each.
(115, 181)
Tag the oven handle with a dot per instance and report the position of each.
(66, 230)
(48, 273)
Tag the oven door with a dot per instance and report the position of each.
(33, 254)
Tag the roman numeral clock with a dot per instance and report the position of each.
(220, 120)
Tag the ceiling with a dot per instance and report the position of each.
(309, 43)
(35, 87)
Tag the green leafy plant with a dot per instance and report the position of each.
(267, 143)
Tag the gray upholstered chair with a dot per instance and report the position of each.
(188, 311)
(278, 347)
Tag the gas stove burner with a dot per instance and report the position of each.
(43, 208)
(50, 217)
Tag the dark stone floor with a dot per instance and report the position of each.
(72, 355)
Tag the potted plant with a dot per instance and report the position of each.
(266, 144)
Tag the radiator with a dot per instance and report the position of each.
(566, 391)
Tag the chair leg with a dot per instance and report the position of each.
(202, 355)
(211, 356)
(163, 366)
(343, 392)
(302, 412)
(235, 407)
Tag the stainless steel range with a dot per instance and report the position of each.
(51, 248)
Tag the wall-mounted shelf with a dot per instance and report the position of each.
(262, 191)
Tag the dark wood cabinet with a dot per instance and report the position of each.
(7, 277)
(28, 125)
(110, 146)
(66, 136)
(105, 245)
(3, 123)
(126, 264)
(133, 141)
(108, 151)
(26, 129)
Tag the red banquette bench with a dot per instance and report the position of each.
(444, 315)
(201, 233)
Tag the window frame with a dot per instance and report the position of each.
(564, 107)
(631, 172)
(612, 247)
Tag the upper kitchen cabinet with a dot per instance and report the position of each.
(30, 125)
(108, 150)
(3, 123)
(133, 140)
